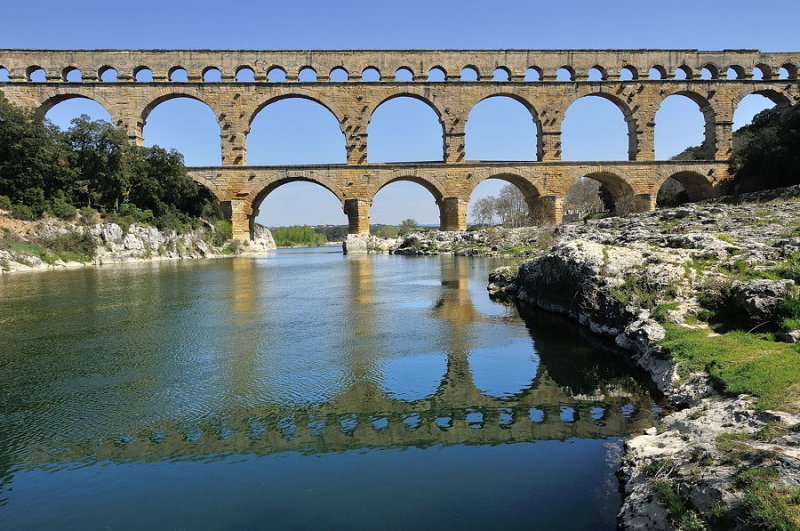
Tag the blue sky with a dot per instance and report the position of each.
(406, 130)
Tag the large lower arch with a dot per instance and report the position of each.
(602, 139)
(751, 104)
(409, 121)
(60, 97)
(697, 186)
(274, 185)
(622, 194)
(294, 129)
(517, 203)
(410, 204)
(184, 122)
(503, 127)
(60, 111)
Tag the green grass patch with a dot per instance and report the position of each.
(740, 362)
(679, 512)
(773, 508)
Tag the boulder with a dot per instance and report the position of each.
(756, 302)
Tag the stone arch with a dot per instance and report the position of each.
(468, 72)
(631, 70)
(210, 72)
(421, 97)
(34, 69)
(791, 70)
(527, 105)
(565, 71)
(533, 73)
(684, 72)
(529, 189)
(777, 97)
(244, 71)
(61, 95)
(69, 71)
(436, 189)
(322, 124)
(178, 72)
(709, 117)
(597, 71)
(404, 72)
(437, 73)
(276, 74)
(657, 72)
(148, 108)
(627, 114)
(712, 69)
(307, 74)
(697, 186)
(145, 71)
(339, 72)
(370, 71)
(622, 192)
(106, 69)
(738, 72)
(764, 70)
(290, 95)
(262, 189)
(501, 73)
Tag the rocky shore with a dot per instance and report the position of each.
(667, 286)
(53, 244)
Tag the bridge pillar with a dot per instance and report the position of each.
(357, 211)
(549, 144)
(548, 209)
(723, 140)
(238, 213)
(644, 202)
(133, 130)
(454, 147)
(233, 144)
(453, 213)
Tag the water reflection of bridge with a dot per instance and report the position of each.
(574, 394)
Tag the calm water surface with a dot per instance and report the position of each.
(302, 390)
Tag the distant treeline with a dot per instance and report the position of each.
(297, 236)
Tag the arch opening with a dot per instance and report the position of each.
(735, 72)
(178, 75)
(37, 74)
(245, 74)
(469, 73)
(297, 202)
(307, 75)
(684, 128)
(597, 73)
(3, 74)
(709, 72)
(657, 72)
(295, 130)
(108, 74)
(533, 73)
(405, 128)
(436, 74)
(404, 74)
(61, 111)
(565, 73)
(276, 74)
(370, 74)
(404, 199)
(762, 72)
(501, 74)
(186, 124)
(339, 75)
(787, 71)
(683, 187)
(143, 74)
(683, 72)
(212, 74)
(628, 73)
(506, 199)
(598, 127)
(502, 128)
(598, 193)
(751, 105)
(72, 75)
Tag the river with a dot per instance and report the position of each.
(305, 389)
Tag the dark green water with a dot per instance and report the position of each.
(302, 390)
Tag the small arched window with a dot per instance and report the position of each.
(762, 72)
(143, 74)
(3, 74)
(339, 75)
(628, 73)
(37, 74)
(370, 74)
(245, 74)
(533, 73)
(501, 74)
(565, 74)
(469, 73)
(212, 74)
(683, 72)
(72, 75)
(404, 74)
(108, 74)
(597, 73)
(436, 74)
(735, 72)
(178, 75)
(709, 72)
(657, 72)
(276, 74)
(306, 75)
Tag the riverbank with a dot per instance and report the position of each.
(51, 243)
(702, 297)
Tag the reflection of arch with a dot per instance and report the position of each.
(527, 105)
(627, 115)
(696, 185)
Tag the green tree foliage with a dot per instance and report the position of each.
(768, 153)
(91, 164)
(408, 225)
(387, 231)
(297, 236)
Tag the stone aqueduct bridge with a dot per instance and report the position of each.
(544, 182)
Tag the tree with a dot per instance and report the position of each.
(387, 231)
(408, 225)
(483, 210)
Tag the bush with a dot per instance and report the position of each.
(223, 231)
(88, 215)
(22, 212)
(5, 202)
(61, 208)
(138, 215)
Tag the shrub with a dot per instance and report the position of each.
(61, 208)
(223, 231)
(22, 212)
(5, 202)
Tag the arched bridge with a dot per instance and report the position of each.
(636, 81)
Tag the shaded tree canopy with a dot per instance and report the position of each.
(92, 164)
